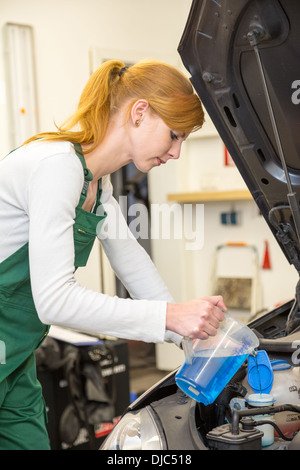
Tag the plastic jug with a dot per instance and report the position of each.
(258, 400)
(211, 363)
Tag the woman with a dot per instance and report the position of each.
(55, 197)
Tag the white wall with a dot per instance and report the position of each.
(188, 272)
(206, 158)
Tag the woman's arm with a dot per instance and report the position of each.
(53, 193)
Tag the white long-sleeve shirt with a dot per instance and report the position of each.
(40, 187)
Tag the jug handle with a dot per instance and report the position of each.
(187, 345)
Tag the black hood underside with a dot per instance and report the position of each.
(244, 61)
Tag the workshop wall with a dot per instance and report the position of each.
(277, 278)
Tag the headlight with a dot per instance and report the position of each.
(137, 430)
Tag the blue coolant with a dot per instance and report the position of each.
(208, 374)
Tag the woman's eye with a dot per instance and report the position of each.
(173, 136)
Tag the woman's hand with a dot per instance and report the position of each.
(198, 318)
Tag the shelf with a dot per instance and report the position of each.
(235, 195)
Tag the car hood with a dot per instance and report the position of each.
(243, 57)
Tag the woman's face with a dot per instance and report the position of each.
(154, 143)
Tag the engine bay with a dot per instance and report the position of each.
(230, 423)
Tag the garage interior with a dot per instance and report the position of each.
(226, 246)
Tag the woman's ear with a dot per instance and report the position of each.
(138, 110)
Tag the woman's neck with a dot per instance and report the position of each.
(111, 154)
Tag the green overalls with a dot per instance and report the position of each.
(22, 408)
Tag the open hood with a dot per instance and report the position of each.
(244, 61)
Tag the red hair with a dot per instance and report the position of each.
(169, 93)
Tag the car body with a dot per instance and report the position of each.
(243, 58)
